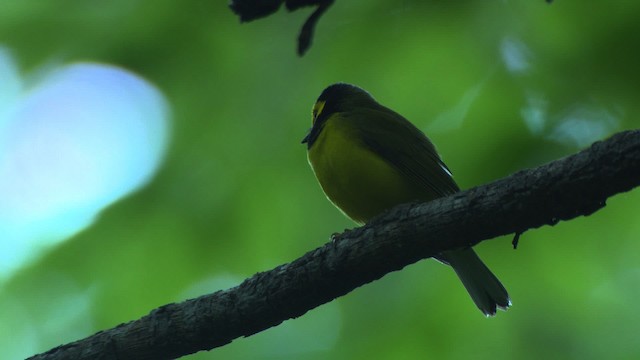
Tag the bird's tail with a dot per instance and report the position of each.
(485, 289)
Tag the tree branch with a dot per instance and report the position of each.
(561, 190)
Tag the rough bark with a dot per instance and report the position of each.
(561, 190)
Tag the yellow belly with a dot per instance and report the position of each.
(356, 180)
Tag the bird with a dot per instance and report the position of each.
(367, 159)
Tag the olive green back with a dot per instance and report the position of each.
(405, 147)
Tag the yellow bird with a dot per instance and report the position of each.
(368, 158)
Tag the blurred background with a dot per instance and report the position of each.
(150, 152)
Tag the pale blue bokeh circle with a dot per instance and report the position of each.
(80, 139)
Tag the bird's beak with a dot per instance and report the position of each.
(306, 138)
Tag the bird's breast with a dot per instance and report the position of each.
(358, 181)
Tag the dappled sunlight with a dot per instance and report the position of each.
(78, 140)
(584, 124)
(515, 55)
(535, 114)
(498, 86)
(576, 125)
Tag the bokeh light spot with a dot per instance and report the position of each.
(584, 124)
(77, 141)
(535, 113)
(515, 55)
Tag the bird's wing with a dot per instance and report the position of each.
(405, 147)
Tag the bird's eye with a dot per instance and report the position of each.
(317, 110)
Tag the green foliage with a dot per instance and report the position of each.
(236, 196)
